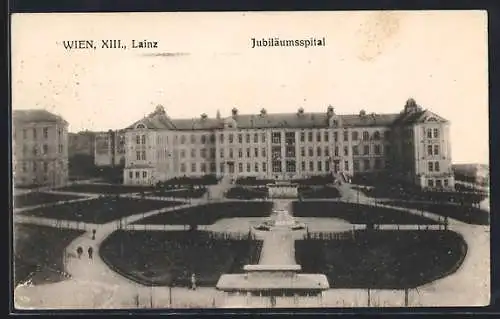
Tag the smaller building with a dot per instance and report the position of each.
(81, 143)
(39, 148)
(472, 173)
(109, 149)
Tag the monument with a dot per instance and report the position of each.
(276, 281)
(282, 189)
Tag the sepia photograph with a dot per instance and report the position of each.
(250, 160)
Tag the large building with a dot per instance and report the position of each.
(81, 143)
(413, 145)
(39, 148)
(109, 150)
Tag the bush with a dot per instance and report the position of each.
(247, 193)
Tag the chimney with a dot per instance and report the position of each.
(300, 111)
(234, 111)
(362, 113)
(263, 112)
(204, 116)
(217, 116)
(330, 111)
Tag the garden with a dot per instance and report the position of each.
(39, 253)
(239, 192)
(39, 198)
(210, 213)
(105, 188)
(253, 181)
(357, 213)
(170, 258)
(319, 192)
(100, 210)
(383, 259)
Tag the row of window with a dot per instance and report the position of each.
(34, 133)
(432, 150)
(44, 151)
(433, 166)
(35, 166)
(138, 174)
(432, 133)
(437, 183)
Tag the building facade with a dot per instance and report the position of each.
(412, 145)
(81, 143)
(109, 148)
(39, 148)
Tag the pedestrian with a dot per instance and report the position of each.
(193, 282)
(79, 252)
(90, 252)
(93, 234)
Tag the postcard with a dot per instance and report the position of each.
(250, 160)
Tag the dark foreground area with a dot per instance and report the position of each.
(170, 258)
(38, 198)
(383, 259)
(39, 253)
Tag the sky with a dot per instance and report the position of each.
(204, 62)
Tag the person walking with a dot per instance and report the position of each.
(93, 234)
(193, 282)
(90, 252)
(79, 252)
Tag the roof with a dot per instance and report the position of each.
(36, 115)
(159, 120)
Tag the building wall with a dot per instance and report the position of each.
(40, 153)
(109, 148)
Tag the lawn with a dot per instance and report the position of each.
(100, 210)
(315, 180)
(165, 258)
(105, 188)
(464, 213)
(210, 213)
(239, 192)
(181, 193)
(38, 198)
(39, 251)
(383, 259)
(253, 181)
(357, 213)
(319, 192)
(188, 181)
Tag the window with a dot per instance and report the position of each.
(231, 138)
(221, 138)
(263, 152)
(366, 136)
(34, 133)
(138, 139)
(325, 136)
(45, 132)
(355, 150)
(203, 139)
(310, 137)
(144, 174)
(366, 165)
(138, 155)
(248, 152)
(446, 184)
(203, 153)
(193, 153)
(354, 136)
(346, 165)
(221, 167)
(302, 136)
(248, 167)
(203, 167)
(318, 137)
(183, 153)
(336, 151)
(240, 153)
(45, 149)
(311, 151)
(335, 136)
(60, 148)
(45, 166)
(318, 151)
(240, 167)
(430, 182)
(256, 152)
(212, 167)
(346, 136)
(193, 139)
(346, 151)
(377, 163)
(303, 165)
(34, 166)
(436, 149)
(248, 138)
(183, 139)
(377, 149)
(429, 133)
(263, 137)
(143, 138)
(25, 134)
(320, 168)
(430, 166)
(183, 167)
(264, 167)
(290, 151)
(290, 166)
(376, 135)
(193, 167)
(436, 133)
(256, 167)
(327, 166)
(429, 150)
(439, 183)
(240, 138)
(302, 151)
(327, 151)
(143, 157)
(256, 138)
(311, 166)
(355, 164)
(130, 175)
(366, 149)
(276, 137)
(277, 166)
(231, 153)
(436, 167)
